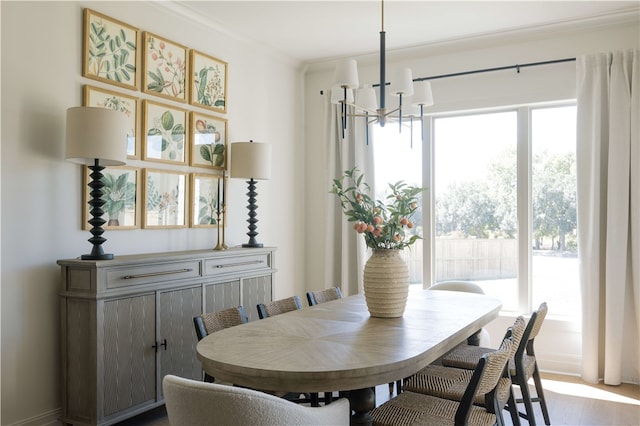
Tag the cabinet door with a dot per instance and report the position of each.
(176, 329)
(255, 290)
(221, 296)
(129, 358)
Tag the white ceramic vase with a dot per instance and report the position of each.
(386, 284)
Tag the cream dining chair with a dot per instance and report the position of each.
(190, 402)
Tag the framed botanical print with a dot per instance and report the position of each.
(110, 50)
(208, 141)
(208, 82)
(121, 196)
(165, 68)
(165, 199)
(207, 200)
(103, 98)
(164, 133)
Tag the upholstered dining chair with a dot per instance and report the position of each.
(211, 322)
(321, 296)
(190, 402)
(278, 307)
(481, 337)
(522, 366)
(450, 383)
(411, 408)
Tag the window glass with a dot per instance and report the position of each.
(475, 202)
(554, 240)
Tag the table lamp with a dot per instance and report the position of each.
(96, 137)
(251, 160)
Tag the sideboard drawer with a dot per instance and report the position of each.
(154, 273)
(235, 264)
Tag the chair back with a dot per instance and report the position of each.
(530, 333)
(484, 379)
(211, 322)
(190, 402)
(464, 286)
(278, 307)
(315, 297)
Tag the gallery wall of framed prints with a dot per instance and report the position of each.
(174, 98)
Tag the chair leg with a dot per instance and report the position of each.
(526, 398)
(328, 398)
(540, 392)
(513, 409)
(314, 399)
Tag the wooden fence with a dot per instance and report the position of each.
(467, 259)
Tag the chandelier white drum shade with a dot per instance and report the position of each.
(96, 133)
(252, 161)
(366, 104)
(96, 137)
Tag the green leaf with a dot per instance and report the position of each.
(218, 148)
(205, 152)
(167, 120)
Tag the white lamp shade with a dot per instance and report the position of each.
(422, 94)
(96, 133)
(402, 83)
(250, 160)
(346, 74)
(366, 98)
(337, 95)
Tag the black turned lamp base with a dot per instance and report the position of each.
(256, 245)
(105, 256)
(96, 202)
(252, 206)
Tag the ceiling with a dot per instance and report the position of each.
(312, 31)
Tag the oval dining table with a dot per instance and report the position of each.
(338, 346)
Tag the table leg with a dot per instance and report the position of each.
(362, 401)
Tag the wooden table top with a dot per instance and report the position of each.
(337, 346)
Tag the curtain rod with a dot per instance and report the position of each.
(508, 67)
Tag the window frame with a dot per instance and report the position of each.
(524, 198)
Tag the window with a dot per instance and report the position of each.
(398, 156)
(504, 185)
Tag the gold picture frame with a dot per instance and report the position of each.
(121, 195)
(164, 130)
(129, 105)
(208, 147)
(110, 50)
(207, 199)
(208, 82)
(165, 68)
(165, 199)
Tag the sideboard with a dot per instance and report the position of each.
(127, 322)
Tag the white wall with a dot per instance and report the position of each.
(559, 347)
(41, 192)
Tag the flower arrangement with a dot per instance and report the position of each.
(384, 226)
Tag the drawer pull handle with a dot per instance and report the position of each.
(153, 274)
(253, 262)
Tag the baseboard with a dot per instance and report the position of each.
(51, 418)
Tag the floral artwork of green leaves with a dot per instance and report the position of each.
(172, 137)
(209, 87)
(168, 73)
(111, 55)
(118, 193)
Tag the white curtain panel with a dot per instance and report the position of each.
(346, 251)
(608, 170)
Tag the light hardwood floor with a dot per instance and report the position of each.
(570, 401)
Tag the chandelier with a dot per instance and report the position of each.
(346, 81)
